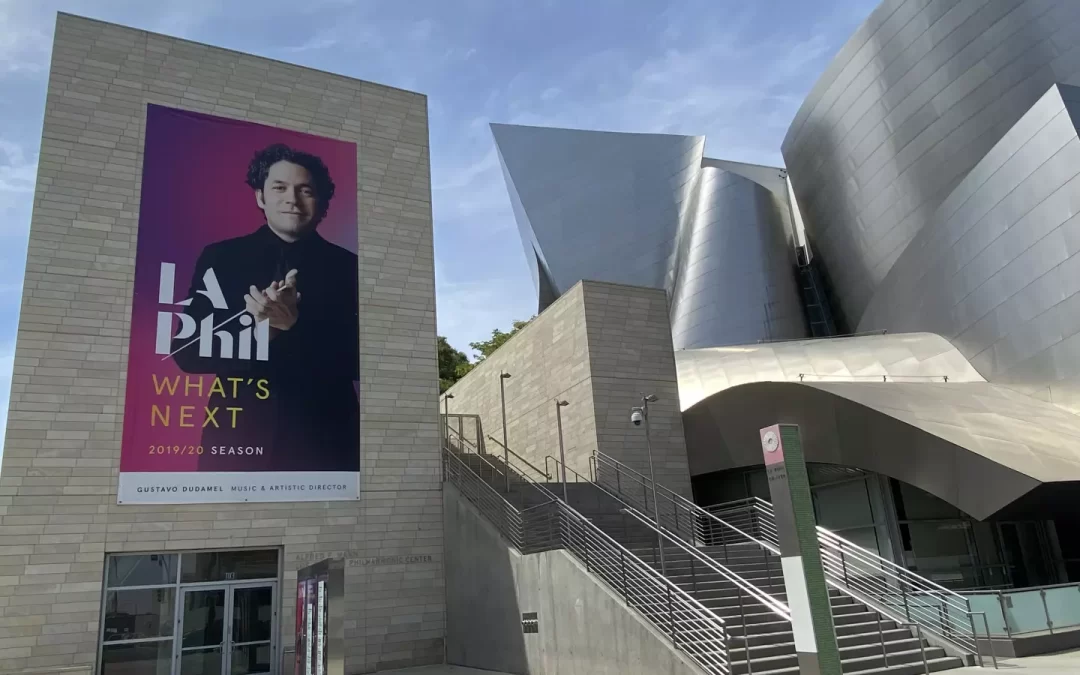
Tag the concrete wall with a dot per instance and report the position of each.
(584, 628)
(58, 511)
(598, 347)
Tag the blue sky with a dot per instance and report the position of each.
(733, 70)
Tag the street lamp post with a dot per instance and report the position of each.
(446, 417)
(643, 414)
(503, 376)
(562, 450)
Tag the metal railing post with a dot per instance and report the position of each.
(922, 648)
(974, 635)
(881, 636)
(1004, 614)
(989, 640)
(622, 571)
(1046, 612)
(745, 633)
(693, 574)
(671, 616)
(903, 592)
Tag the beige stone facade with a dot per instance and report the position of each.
(598, 347)
(62, 450)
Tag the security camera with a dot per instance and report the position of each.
(635, 417)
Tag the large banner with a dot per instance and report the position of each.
(243, 362)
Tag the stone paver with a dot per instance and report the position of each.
(1064, 663)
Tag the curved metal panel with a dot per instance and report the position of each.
(976, 445)
(997, 270)
(736, 282)
(911, 357)
(648, 210)
(910, 105)
(597, 205)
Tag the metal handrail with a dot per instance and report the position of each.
(501, 513)
(580, 478)
(697, 526)
(879, 583)
(1006, 591)
(775, 606)
(895, 591)
(527, 462)
(693, 628)
(481, 455)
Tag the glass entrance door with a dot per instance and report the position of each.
(202, 632)
(227, 630)
(251, 641)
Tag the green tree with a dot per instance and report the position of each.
(498, 339)
(450, 365)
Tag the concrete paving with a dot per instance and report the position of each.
(1062, 663)
(442, 670)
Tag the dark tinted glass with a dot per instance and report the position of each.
(201, 662)
(141, 570)
(229, 566)
(251, 659)
(138, 614)
(204, 618)
(253, 614)
(141, 658)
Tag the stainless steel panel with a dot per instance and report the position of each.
(995, 268)
(649, 210)
(913, 102)
(977, 445)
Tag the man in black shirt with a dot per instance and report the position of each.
(296, 390)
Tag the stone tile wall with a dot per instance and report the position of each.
(599, 346)
(58, 511)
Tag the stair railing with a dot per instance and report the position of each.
(692, 628)
(677, 514)
(745, 591)
(893, 590)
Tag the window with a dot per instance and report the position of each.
(141, 616)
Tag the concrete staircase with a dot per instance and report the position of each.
(869, 643)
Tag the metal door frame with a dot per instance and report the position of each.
(227, 621)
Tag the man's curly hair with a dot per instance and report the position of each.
(279, 152)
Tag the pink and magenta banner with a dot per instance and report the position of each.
(243, 361)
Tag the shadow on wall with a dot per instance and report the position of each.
(483, 619)
(583, 627)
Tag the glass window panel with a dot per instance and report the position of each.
(142, 658)
(229, 566)
(865, 537)
(204, 617)
(141, 570)
(1025, 612)
(253, 614)
(843, 505)
(990, 604)
(921, 505)
(1064, 606)
(758, 484)
(201, 662)
(251, 659)
(138, 614)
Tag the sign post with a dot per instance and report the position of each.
(320, 611)
(804, 578)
